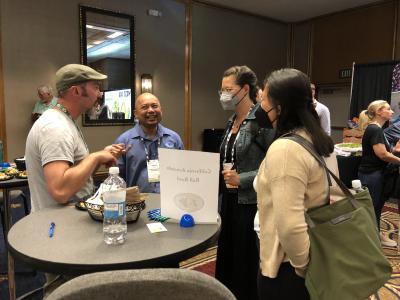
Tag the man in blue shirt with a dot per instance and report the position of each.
(140, 165)
(392, 132)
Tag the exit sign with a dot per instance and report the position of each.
(345, 73)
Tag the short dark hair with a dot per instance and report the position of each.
(291, 90)
(244, 75)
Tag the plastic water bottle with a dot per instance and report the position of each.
(114, 196)
(356, 186)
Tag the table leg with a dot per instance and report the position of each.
(8, 223)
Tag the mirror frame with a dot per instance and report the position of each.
(83, 10)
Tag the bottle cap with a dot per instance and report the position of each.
(187, 221)
(113, 170)
(356, 184)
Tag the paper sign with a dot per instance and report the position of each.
(189, 184)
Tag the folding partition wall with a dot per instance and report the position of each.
(370, 82)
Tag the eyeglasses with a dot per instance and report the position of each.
(228, 90)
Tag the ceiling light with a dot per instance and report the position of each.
(89, 26)
(115, 34)
(98, 42)
(89, 46)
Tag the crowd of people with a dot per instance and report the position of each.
(266, 182)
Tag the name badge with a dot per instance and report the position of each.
(153, 170)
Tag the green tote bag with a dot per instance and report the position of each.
(346, 258)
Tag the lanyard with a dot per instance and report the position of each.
(147, 150)
(235, 141)
(66, 112)
(233, 146)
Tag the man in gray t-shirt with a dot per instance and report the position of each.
(58, 161)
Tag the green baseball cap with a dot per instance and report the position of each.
(72, 74)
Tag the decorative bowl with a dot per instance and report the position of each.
(132, 211)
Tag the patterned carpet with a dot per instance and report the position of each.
(204, 262)
(390, 223)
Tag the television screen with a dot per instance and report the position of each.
(118, 103)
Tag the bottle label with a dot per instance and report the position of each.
(114, 210)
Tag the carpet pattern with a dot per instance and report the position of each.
(204, 262)
(390, 224)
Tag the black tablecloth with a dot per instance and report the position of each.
(348, 168)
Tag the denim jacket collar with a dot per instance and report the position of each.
(250, 115)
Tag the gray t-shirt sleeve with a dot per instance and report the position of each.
(55, 144)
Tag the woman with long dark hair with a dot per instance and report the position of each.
(243, 148)
(289, 182)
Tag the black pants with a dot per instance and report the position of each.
(286, 286)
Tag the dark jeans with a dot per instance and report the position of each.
(286, 286)
(374, 182)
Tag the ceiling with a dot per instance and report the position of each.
(102, 44)
(291, 10)
(282, 10)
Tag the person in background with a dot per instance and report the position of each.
(363, 120)
(243, 148)
(392, 132)
(57, 157)
(140, 166)
(45, 94)
(259, 94)
(322, 111)
(289, 182)
(376, 154)
(103, 111)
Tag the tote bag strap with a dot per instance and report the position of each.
(310, 148)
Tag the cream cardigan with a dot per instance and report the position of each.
(289, 181)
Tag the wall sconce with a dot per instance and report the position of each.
(147, 83)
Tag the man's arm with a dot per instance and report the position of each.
(63, 181)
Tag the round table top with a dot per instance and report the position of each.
(77, 246)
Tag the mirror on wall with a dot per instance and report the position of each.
(107, 45)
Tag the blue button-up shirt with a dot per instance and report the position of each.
(133, 165)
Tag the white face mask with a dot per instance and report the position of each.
(228, 101)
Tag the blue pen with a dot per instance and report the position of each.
(51, 229)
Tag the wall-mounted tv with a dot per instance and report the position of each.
(118, 103)
(114, 107)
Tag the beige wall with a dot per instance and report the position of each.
(40, 36)
(37, 37)
(221, 39)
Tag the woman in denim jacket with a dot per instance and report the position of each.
(242, 150)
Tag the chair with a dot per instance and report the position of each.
(143, 284)
(14, 194)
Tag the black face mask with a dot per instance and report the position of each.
(262, 118)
